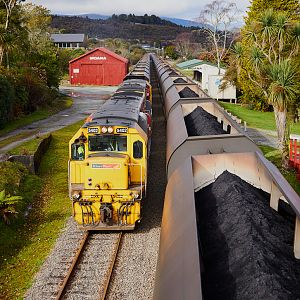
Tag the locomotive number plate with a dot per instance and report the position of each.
(121, 130)
(93, 130)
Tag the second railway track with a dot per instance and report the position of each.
(90, 273)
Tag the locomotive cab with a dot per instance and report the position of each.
(107, 180)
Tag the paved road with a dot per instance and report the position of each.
(263, 137)
(86, 100)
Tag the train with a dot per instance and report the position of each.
(108, 164)
(108, 157)
(194, 161)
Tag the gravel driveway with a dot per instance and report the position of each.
(85, 101)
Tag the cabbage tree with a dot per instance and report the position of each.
(270, 46)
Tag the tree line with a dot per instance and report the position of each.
(145, 19)
(31, 66)
(28, 63)
(116, 27)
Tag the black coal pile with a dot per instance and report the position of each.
(180, 80)
(188, 93)
(247, 246)
(200, 122)
(173, 73)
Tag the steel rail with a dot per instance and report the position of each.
(111, 268)
(69, 275)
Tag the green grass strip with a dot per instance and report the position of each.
(16, 138)
(28, 147)
(58, 104)
(256, 119)
(188, 73)
(25, 245)
(274, 156)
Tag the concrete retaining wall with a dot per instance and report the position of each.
(32, 162)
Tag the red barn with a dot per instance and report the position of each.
(98, 67)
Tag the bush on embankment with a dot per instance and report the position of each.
(17, 181)
(23, 93)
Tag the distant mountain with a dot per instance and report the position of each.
(180, 22)
(94, 16)
(183, 22)
(143, 28)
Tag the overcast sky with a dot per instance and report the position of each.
(185, 9)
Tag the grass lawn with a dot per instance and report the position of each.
(188, 73)
(256, 119)
(17, 137)
(273, 155)
(59, 104)
(25, 245)
(28, 147)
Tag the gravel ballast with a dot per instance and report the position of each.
(134, 273)
(247, 246)
(55, 268)
(188, 93)
(200, 122)
(90, 274)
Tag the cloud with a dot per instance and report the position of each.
(169, 8)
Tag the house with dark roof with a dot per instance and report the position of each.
(69, 40)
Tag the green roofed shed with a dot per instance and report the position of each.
(189, 64)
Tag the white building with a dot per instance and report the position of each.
(67, 40)
(207, 74)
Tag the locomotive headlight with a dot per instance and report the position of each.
(104, 129)
(110, 129)
(135, 196)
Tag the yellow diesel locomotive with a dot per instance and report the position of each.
(108, 161)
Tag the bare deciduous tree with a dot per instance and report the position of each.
(217, 18)
(183, 44)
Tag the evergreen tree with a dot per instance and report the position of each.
(269, 57)
(290, 7)
(250, 93)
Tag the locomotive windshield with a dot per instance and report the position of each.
(108, 143)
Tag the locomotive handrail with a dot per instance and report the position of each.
(141, 168)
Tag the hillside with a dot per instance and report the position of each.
(149, 28)
(177, 21)
(183, 22)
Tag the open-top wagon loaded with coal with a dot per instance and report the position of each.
(109, 156)
(228, 231)
(231, 222)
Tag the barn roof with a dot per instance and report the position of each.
(189, 63)
(67, 38)
(108, 52)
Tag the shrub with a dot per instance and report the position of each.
(8, 206)
(7, 97)
(12, 174)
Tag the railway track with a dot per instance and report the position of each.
(88, 275)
